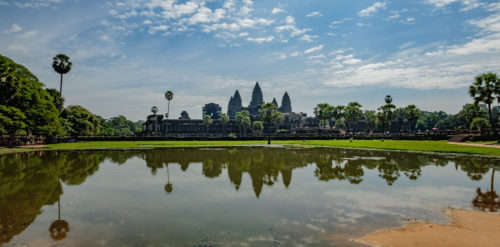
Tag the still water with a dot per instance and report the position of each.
(230, 196)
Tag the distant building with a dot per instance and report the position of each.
(213, 110)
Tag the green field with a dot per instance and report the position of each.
(425, 146)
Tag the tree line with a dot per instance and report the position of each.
(27, 108)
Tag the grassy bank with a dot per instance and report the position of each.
(426, 146)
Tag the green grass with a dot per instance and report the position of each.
(424, 146)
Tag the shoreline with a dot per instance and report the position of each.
(428, 147)
(466, 228)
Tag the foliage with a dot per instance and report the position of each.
(479, 124)
(207, 120)
(169, 95)
(469, 112)
(12, 121)
(257, 125)
(246, 123)
(411, 114)
(352, 114)
(118, 126)
(61, 65)
(324, 112)
(57, 99)
(386, 115)
(370, 120)
(22, 90)
(78, 121)
(486, 89)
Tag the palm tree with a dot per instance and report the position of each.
(245, 124)
(61, 65)
(323, 112)
(352, 114)
(154, 110)
(269, 115)
(169, 95)
(486, 89)
(412, 114)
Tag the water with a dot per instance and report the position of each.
(229, 196)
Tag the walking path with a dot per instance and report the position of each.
(475, 144)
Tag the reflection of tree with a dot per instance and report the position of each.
(489, 200)
(58, 228)
(168, 187)
(29, 181)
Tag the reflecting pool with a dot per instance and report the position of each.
(246, 196)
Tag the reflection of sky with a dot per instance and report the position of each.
(126, 205)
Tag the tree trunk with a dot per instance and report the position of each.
(268, 138)
(168, 110)
(492, 177)
(60, 85)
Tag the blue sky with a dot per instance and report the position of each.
(127, 53)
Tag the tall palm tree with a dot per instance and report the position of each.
(61, 65)
(207, 120)
(169, 95)
(486, 89)
(269, 114)
(223, 120)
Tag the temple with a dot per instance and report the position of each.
(157, 125)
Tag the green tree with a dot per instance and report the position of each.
(12, 121)
(479, 124)
(207, 120)
(22, 90)
(79, 121)
(239, 116)
(352, 114)
(385, 116)
(486, 89)
(223, 120)
(258, 127)
(56, 98)
(169, 95)
(370, 120)
(323, 112)
(246, 123)
(269, 114)
(412, 114)
(61, 65)
(469, 112)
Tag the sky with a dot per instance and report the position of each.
(127, 53)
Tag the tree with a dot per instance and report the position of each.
(370, 120)
(78, 121)
(412, 114)
(223, 120)
(479, 124)
(258, 127)
(57, 99)
(169, 95)
(246, 123)
(207, 120)
(352, 114)
(486, 89)
(269, 114)
(239, 116)
(12, 121)
(61, 65)
(385, 116)
(469, 112)
(324, 112)
(20, 89)
(154, 110)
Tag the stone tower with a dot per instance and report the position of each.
(257, 98)
(234, 105)
(275, 102)
(286, 104)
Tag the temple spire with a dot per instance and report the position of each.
(286, 104)
(257, 98)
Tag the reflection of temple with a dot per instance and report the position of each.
(29, 181)
(156, 125)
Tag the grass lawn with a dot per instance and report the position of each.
(426, 146)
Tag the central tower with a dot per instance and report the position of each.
(257, 98)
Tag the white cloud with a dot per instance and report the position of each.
(308, 38)
(290, 20)
(277, 11)
(14, 29)
(314, 14)
(468, 4)
(372, 9)
(314, 49)
(334, 24)
(29, 34)
(294, 54)
(261, 40)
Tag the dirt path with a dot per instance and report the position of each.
(475, 144)
(467, 228)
